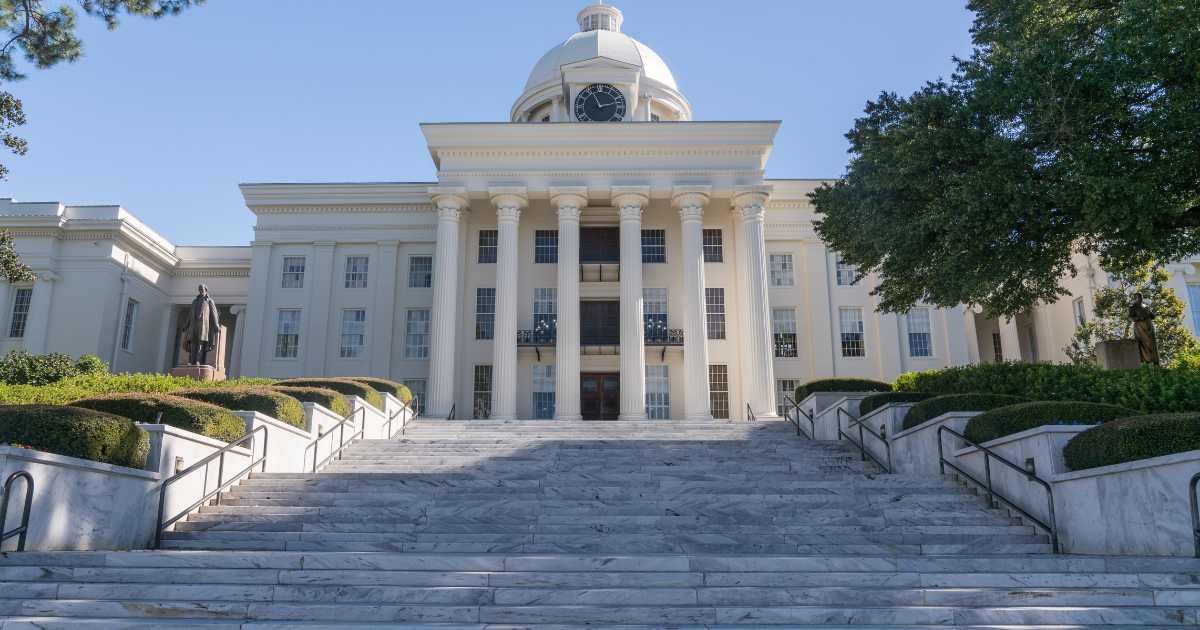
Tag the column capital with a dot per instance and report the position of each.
(624, 197)
(569, 200)
(750, 201)
(690, 200)
(449, 200)
(514, 197)
(237, 309)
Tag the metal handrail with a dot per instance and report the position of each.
(1195, 511)
(221, 483)
(450, 416)
(403, 423)
(21, 531)
(861, 443)
(750, 414)
(988, 455)
(340, 427)
(789, 402)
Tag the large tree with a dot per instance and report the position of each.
(1073, 127)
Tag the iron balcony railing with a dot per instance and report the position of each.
(21, 531)
(536, 337)
(664, 336)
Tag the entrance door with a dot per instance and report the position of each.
(600, 395)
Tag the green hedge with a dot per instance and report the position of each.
(323, 396)
(399, 390)
(873, 402)
(90, 385)
(1012, 419)
(278, 405)
(840, 385)
(343, 386)
(76, 432)
(931, 408)
(1148, 389)
(1134, 438)
(189, 415)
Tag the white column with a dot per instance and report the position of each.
(234, 363)
(690, 202)
(450, 202)
(629, 201)
(748, 205)
(37, 325)
(569, 202)
(382, 321)
(508, 201)
(1010, 339)
(260, 322)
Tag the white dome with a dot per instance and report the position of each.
(600, 43)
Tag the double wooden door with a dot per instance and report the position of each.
(600, 395)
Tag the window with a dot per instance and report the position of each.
(1194, 299)
(714, 302)
(416, 334)
(545, 246)
(293, 272)
(354, 333)
(847, 274)
(853, 343)
(420, 272)
(485, 312)
(997, 348)
(131, 312)
(356, 272)
(545, 310)
(1077, 310)
(718, 391)
(658, 392)
(712, 246)
(20, 312)
(487, 245)
(783, 329)
(782, 270)
(654, 246)
(543, 392)
(481, 397)
(654, 314)
(785, 388)
(417, 387)
(920, 338)
(287, 333)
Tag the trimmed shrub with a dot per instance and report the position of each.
(91, 364)
(931, 408)
(323, 396)
(21, 368)
(278, 405)
(1133, 438)
(76, 432)
(98, 384)
(871, 403)
(190, 415)
(1003, 421)
(399, 390)
(841, 385)
(344, 386)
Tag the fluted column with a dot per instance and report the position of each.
(508, 201)
(690, 202)
(451, 203)
(570, 202)
(629, 201)
(759, 359)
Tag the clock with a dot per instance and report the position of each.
(599, 102)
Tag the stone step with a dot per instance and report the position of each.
(65, 623)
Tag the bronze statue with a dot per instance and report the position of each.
(201, 328)
(1143, 329)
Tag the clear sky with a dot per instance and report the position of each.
(166, 118)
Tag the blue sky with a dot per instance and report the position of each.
(167, 117)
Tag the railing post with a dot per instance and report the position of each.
(987, 471)
(1195, 511)
(941, 455)
(21, 530)
(221, 471)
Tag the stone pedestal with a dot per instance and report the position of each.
(1118, 355)
(214, 370)
(198, 372)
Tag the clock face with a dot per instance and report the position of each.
(599, 102)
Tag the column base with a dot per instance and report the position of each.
(572, 418)
(702, 417)
(631, 416)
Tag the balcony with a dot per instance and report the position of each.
(533, 338)
(600, 272)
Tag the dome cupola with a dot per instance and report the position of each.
(600, 17)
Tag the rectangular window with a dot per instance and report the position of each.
(997, 348)
(481, 396)
(487, 245)
(847, 274)
(654, 246)
(131, 313)
(354, 333)
(712, 246)
(20, 312)
(920, 337)
(416, 334)
(293, 272)
(783, 329)
(658, 392)
(853, 341)
(420, 272)
(654, 314)
(545, 310)
(545, 246)
(718, 391)
(782, 270)
(417, 387)
(1077, 310)
(485, 313)
(1194, 299)
(785, 388)
(287, 333)
(356, 272)
(543, 392)
(714, 303)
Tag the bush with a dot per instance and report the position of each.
(278, 405)
(1134, 438)
(323, 396)
(98, 384)
(871, 403)
(931, 408)
(399, 390)
(91, 364)
(344, 386)
(1003, 421)
(841, 385)
(76, 432)
(21, 368)
(190, 415)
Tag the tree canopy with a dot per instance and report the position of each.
(1074, 126)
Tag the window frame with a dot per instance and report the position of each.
(654, 257)
(780, 404)
(847, 339)
(545, 309)
(481, 391)
(712, 252)
(485, 320)
(1078, 312)
(841, 267)
(545, 246)
(417, 351)
(714, 311)
(492, 248)
(355, 278)
(297, 277)
(928, 333)
(780, 337)
(418, 392)
(420, 275)
(658, 392)
(542, 385)
(655, 324)
(718, 391)
(129, 323)
(279, 334)
(352, 351)
(16, 316)
(788, 268)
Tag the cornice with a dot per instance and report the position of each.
(674, 151)
(212, 273)
(414, 208)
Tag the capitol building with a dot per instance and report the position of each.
(601, 255)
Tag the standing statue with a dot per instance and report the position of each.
(1143, 329)
(201, 328)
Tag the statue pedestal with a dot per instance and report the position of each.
(216, 356)
(199, 372)
(1118, 355)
